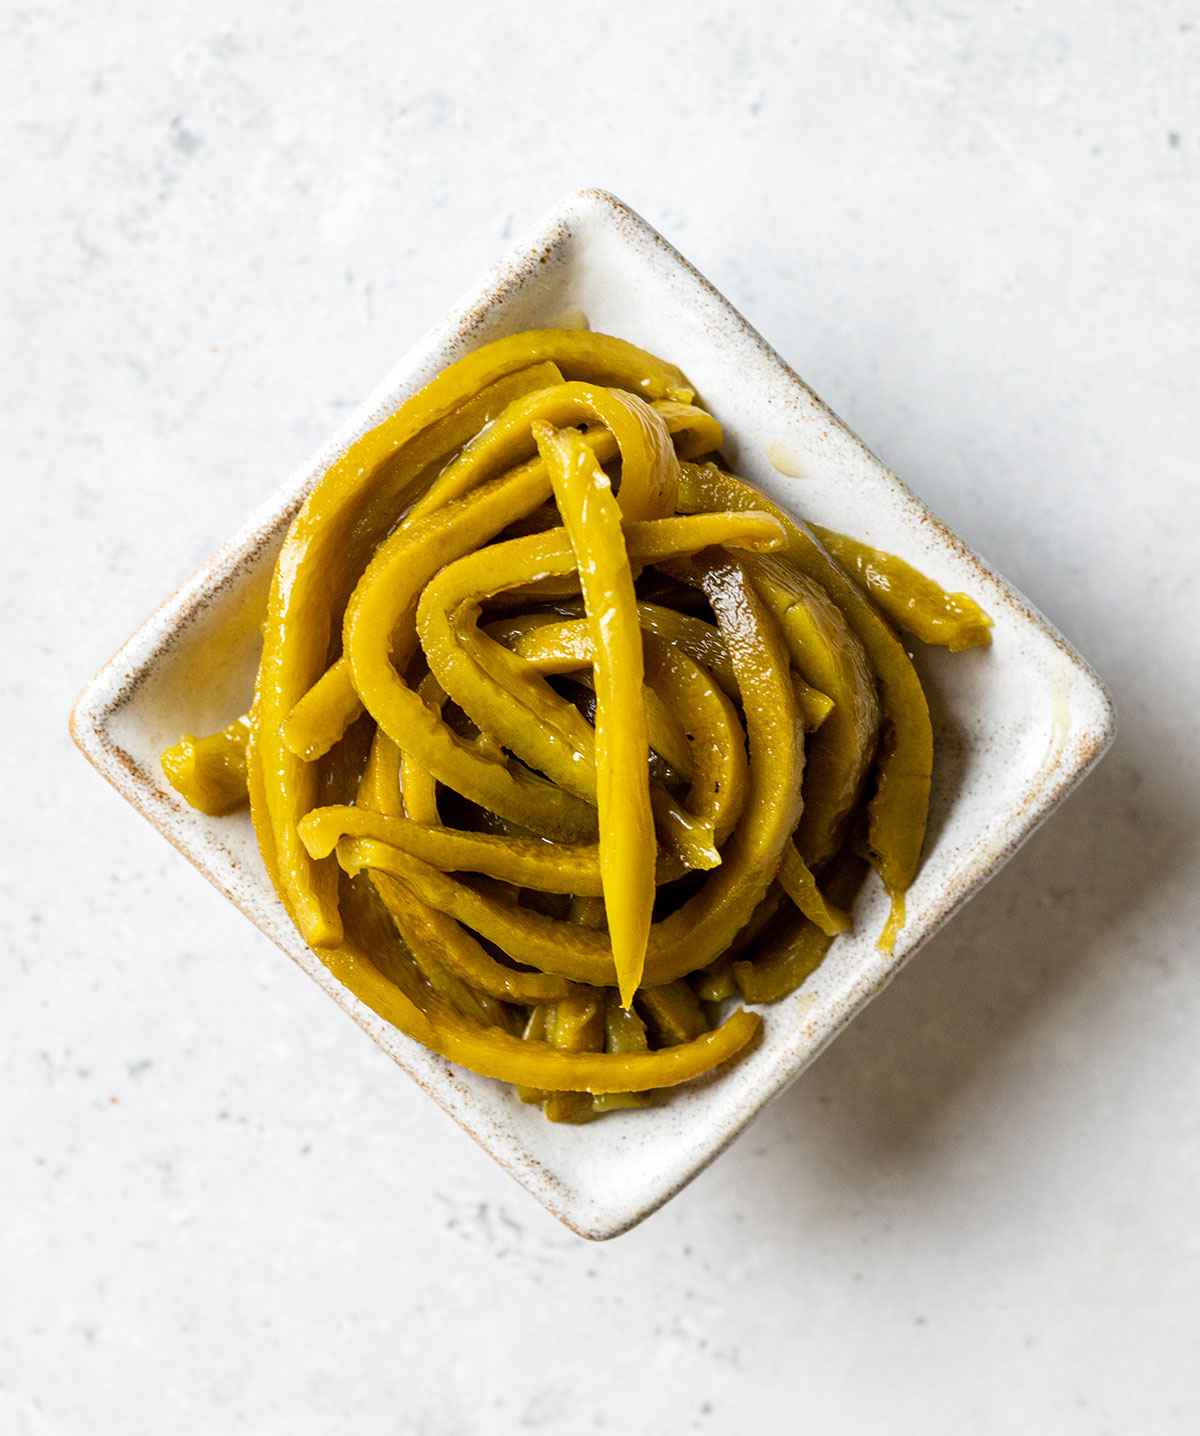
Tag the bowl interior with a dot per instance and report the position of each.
(1016, 724)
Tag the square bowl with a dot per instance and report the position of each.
(1016, 725)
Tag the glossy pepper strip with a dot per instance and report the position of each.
(913, 602)
(437, 940)
(716, 761)
(210, 772)
(828, 654)
(898, 810)
(528, 862)
(592, 521)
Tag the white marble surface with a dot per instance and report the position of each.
(975, 229)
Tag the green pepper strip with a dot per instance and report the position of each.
(624, 1031)
(378, 631)
(576, 1024)
(827, 654)
(913, 602)
(897, 812)
(439, 944)
(703, 927)
(674, 1013)
(794, 949)
(715, 761)
(508, 695)
(699, 640)
(528, 862)
(592, 520)
(210, 772)
(797, 880)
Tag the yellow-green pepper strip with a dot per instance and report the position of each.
(439, 944)
(649, 479)
(674, 1013)
(714, 734)
(508, 694)
(535, 1031)
(667, 738)
(502, 694)
(377, 635)
(528, 862)
(709, 921)
(913, 602)
(592, 520)
(797, 952)
(795, 948)
(450, 957)
(624, 1031)
(715, 983)
(814, 706)
(827, 653)
(562, 646)
(453, 963)
(648, 482)
(575, 1024)
(897, 812)
(323, 714)
(797, 880)
(588, 911)
(327, 709)
(210, 772)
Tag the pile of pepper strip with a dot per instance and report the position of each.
(563, 736)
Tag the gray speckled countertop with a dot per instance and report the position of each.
(974, 229)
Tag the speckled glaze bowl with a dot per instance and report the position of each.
(1017, 725)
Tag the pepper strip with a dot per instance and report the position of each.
(827, 654)
(210, 772)
(904, 768)
(912, 601)
(592, 520)
(528, 862)
(797, 880)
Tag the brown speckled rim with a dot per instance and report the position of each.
(120, 679)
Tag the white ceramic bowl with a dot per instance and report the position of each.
(1017, 725)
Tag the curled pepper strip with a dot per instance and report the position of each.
(210, 772)
(904, 768)
(913, 602)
